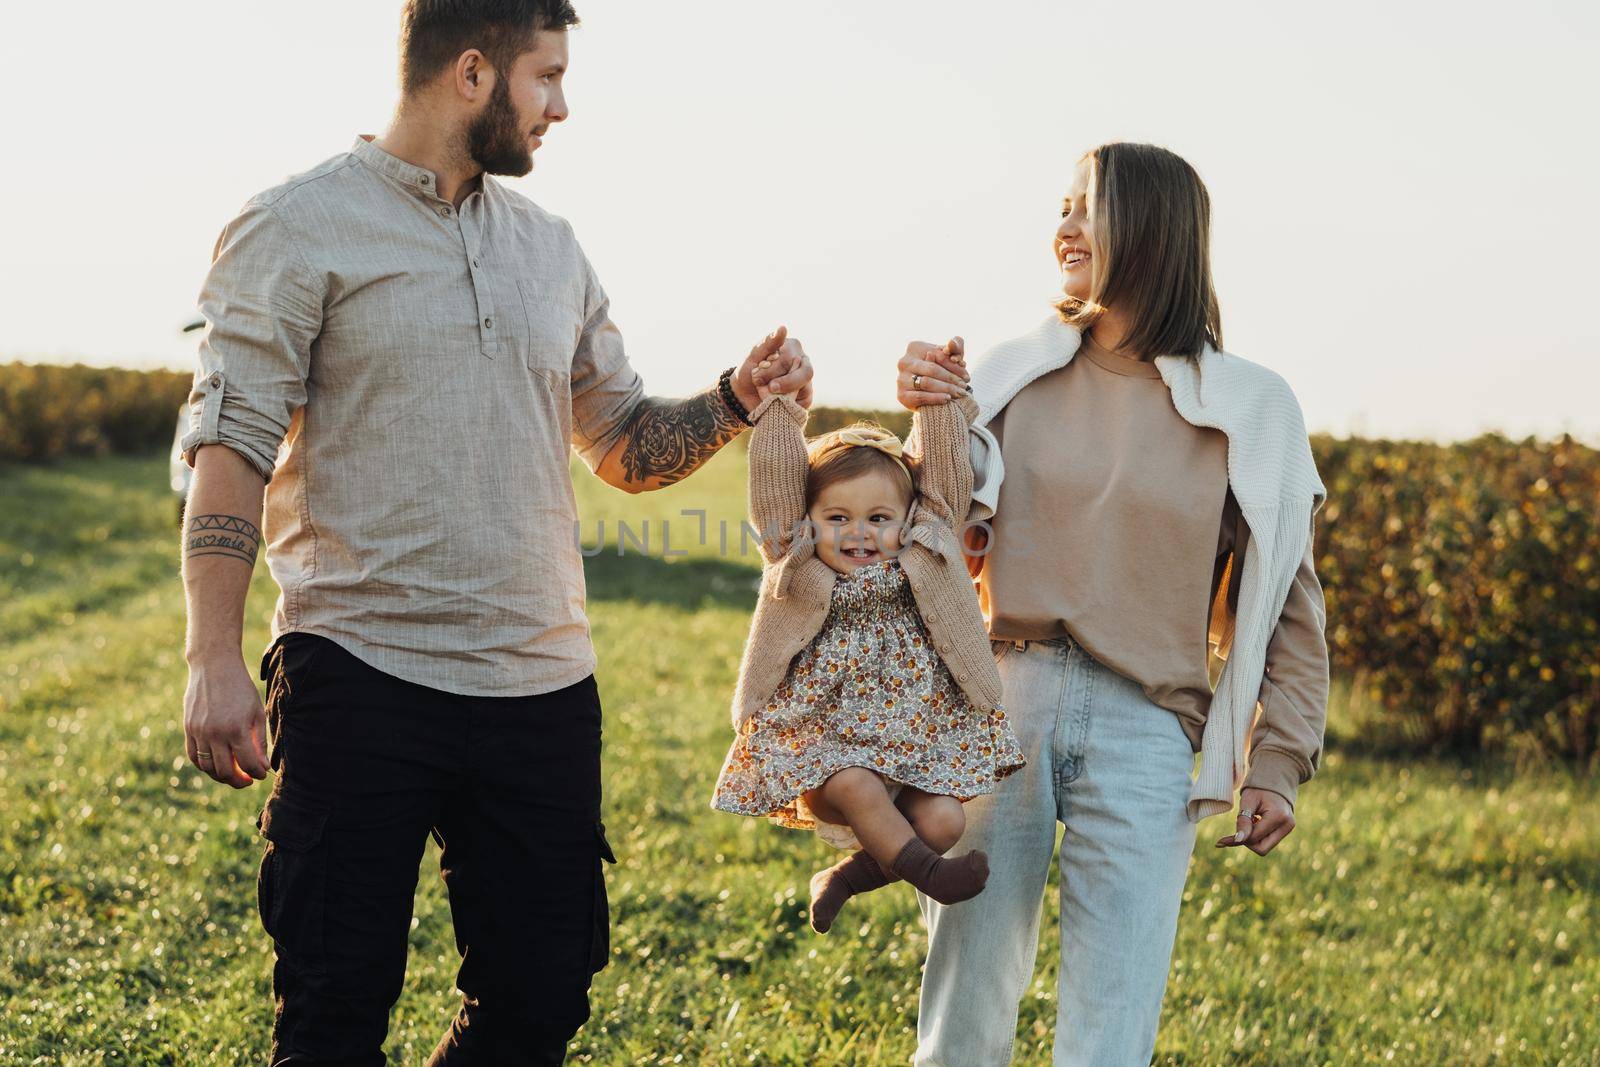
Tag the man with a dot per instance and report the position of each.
(399, 353)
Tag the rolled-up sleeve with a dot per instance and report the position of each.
(606, 389)
(262, 305)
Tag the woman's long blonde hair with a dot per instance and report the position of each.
(1151, 245)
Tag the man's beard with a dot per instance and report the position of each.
(495, 141)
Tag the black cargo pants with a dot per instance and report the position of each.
(367, 767)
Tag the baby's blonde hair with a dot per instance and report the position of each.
(834, 457)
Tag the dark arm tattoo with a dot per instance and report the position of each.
(665, 441)
(222, 535)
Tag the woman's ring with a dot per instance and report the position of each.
(916, 381)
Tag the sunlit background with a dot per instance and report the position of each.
(1404, 229)
(1404, 209)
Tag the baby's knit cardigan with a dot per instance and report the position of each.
(797, 586)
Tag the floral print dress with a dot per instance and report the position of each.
(868, 691)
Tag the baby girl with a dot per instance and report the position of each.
(868, 703)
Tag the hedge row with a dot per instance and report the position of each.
(49, 411)
(1462, 580)
(1463, 590)
(823, 419)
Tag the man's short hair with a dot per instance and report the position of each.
(433, 33)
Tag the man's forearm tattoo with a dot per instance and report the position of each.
(667, 440)
(222, 535)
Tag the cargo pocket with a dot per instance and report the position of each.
(600, 941)
(301, 654)
(292, 883)
(287, 668)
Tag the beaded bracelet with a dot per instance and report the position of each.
(725, 388)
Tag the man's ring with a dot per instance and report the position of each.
(202, 755)
(916, 381)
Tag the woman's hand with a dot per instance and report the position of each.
(931, 374)
(1265, 818)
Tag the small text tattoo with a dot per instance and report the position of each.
(222, 535)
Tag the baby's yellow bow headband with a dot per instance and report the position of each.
(884, 442)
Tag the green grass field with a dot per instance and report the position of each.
(1423, 913)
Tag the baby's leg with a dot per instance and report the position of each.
(891, 847)
(937, 819)
(938, 823)
(857, 798)
(860, 873)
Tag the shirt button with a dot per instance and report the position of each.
(475, 262)
(425, 179)
(488, 324)
(216, 380)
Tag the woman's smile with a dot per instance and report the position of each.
(1071, 256)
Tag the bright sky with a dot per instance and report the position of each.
(1405, 223)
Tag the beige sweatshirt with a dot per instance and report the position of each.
(1126, 546)
(796, 586)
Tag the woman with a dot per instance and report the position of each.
(1149, 503)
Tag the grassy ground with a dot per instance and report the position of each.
(1423, 914)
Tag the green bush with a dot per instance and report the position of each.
(825, 419)
(49, 411)
(1463, 590)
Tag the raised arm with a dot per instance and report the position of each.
(777, 473)
(939, 441)
(664, 441)
(639, 443)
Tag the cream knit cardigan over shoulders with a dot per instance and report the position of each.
(1272, 475)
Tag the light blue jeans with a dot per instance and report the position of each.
(1114, 769)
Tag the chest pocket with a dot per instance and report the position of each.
(550, 323)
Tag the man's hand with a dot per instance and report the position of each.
(932, 374)
(776, 365)
(1265, 818)
(224, 725)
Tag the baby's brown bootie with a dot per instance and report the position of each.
(949, 881)
(832, 887)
